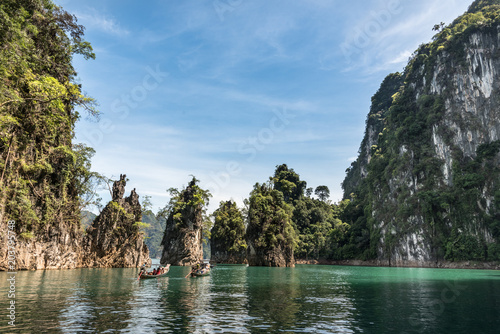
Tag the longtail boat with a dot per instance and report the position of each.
(166, 268)
(203, 270)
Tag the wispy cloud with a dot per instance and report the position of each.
(92, 19)
(383, 40)
(227, 78)
(401, 58)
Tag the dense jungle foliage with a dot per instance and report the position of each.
(228, 231)
(45, 178)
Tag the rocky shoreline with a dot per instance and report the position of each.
(379, 263)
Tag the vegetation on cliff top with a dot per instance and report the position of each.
(228, 233)
(401, 133)
(187, 225)
(44, 176)
(191, 201)
(270, 231)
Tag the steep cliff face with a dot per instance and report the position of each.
(182, 246)
(430, 184)
(55, 246)
(41, 169)
(375, 121)
(182, 240)
(114, 239)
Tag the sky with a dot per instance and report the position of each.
(226, 90)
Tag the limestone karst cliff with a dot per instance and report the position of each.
(41, 177)
(182, 240)
(427, 179)
(114, 238)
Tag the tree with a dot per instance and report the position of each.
(270, 234)
(288, 182)
(319, 228)
(322, 192)
(438, 27)
(87, 182)
(228, 234)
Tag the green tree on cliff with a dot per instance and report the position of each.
(319, 227)
(44, 177)
(186, 217)
(322, 192)
(288, 182)
(228, 232)
(270, 233)
(192, 198)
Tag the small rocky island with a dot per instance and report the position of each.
(182, 240)
(270, 235)
(227, 237)
(114, 239)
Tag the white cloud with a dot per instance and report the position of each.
(228, 76)
(98, 21)
(371, 44)
(401, 58)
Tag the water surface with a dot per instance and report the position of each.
(240, 299)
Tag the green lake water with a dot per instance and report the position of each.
(240, 299)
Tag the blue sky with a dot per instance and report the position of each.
(227, 89)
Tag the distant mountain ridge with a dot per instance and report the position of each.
(86, 218)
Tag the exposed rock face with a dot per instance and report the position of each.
(471, 118)
(44, 174)
(273, 257)
(56, 247)
(182, 240)
(182, 246)
(113, 239)
(225, 257)
(434, 186)
(381, 102)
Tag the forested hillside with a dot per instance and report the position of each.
(45, 177)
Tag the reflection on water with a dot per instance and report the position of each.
(240, 299)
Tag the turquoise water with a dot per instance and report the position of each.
(240, 299)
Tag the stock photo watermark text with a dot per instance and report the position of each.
(11, 263)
